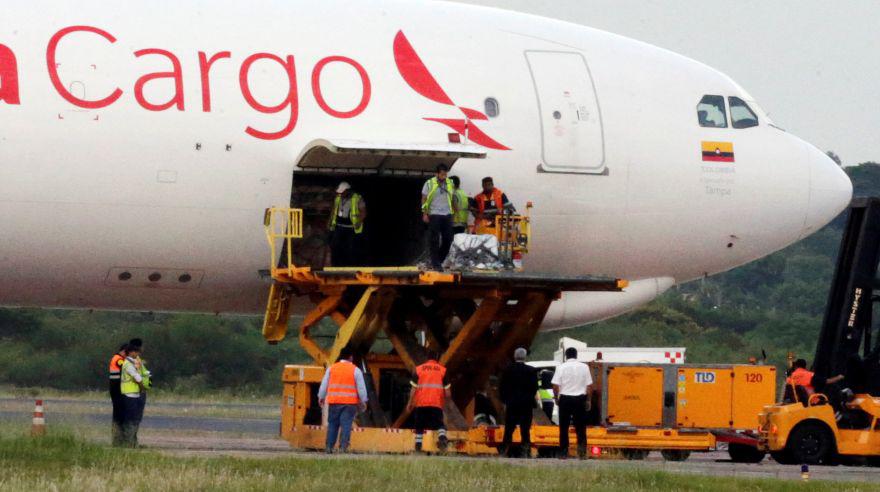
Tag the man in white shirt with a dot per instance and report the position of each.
(571, 385)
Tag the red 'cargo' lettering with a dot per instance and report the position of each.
(8, 76)
(56, 80)
(205, 70)
(9, 82)
(177, 75)
(291, 101)
(366, 90)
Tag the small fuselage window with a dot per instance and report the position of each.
(492, 107)
(711, 112)
(741, 115)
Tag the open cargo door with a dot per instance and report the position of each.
(382, 158)
(388, 176)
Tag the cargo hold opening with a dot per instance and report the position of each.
(389, 177)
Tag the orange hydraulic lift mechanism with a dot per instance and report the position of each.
(474, 319)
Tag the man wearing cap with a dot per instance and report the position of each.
(347, 227)
(519, 384)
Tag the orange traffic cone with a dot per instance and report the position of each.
(38, 427)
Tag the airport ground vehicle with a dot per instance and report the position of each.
(840, 422)
(408, 305)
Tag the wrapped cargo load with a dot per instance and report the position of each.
(474, 252)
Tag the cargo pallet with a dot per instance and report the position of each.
(474, 319)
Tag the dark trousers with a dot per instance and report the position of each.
(439, 238)
(517, 416)
(342, 247)
(339, 421)
(428, 418)
(118, 413)
(547, 406)
(133, 413)
(573, 409)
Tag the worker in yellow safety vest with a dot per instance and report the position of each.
(437, 210)
(344, 392)
(461, 208)
(131, 387)
(347, 244)
(545, 393)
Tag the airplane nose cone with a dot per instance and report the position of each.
(830, 191)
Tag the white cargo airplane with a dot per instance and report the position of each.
(139, 145)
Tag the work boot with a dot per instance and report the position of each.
(582, 452)
(442, 443)
(328, 451)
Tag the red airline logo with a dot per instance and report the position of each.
(282, 66)
(417, 75)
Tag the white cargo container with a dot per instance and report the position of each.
(652, 355)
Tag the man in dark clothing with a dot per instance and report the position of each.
(519, 385)
(116, 393)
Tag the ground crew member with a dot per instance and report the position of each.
(489, 203)
(132, 385)
(571, 384)
(145, 374)
(461, 206)
(427, 399)
(344, 392)
(347, 227)
(437, 211)
(116, 394)
(518, 386)
(545, 393)
(800, 376)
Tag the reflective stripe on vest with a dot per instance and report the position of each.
(341, 385)
(128, 386)
(433, 186)
(116, 366)
(354, 213)
(460, 217)
(430, 391)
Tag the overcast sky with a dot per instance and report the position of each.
(813, 65)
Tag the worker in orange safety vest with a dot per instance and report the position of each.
(344, 392)
(489, 204)
(427, 399)
(800, 376)
(115, 374)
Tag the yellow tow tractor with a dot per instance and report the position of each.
(838, 422)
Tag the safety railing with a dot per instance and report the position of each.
(514, 233)
(282, 226)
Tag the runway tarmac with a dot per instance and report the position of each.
(244, 437)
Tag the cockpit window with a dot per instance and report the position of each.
(711, 112)
(741, 114)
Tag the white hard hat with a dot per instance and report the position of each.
(343, 186)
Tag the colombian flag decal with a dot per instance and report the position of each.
(718, 151)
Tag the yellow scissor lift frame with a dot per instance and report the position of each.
(496, 312)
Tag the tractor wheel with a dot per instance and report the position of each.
(634, 454)
(811, 443)
(743, 453)
(675, 454)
